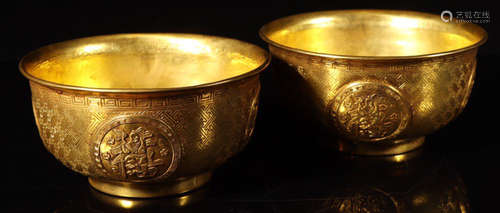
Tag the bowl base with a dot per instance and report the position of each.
(149, 190)
(388, 148)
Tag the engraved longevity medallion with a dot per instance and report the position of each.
(370, 111)
(136, 148)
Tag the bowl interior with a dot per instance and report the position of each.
(143, 61)
(371, 33)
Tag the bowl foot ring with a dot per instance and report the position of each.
(376, 149)
(150, 190)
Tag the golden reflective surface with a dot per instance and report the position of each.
(141, 61)
(108, 203)
(419, 181)
(380, 80)
(145, 115)
(370, 33)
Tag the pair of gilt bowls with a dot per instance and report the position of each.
(147, 115)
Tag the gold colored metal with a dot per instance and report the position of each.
(146, 190)
(382, 79)
(107, 203)
(145, 115)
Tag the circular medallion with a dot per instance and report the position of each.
(370, 111)
(361, 200)
(136, 149)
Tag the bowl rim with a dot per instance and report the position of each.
(354, 57)
(244, 75)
